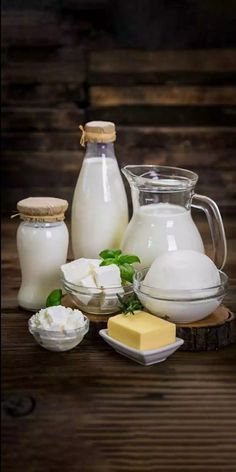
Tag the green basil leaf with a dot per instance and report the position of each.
(128, 259)
(126, 272)
(54, 298)
(107, 262)
(109, 253)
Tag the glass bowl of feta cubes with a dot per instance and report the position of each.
(94, 288)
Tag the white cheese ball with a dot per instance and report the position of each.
(182, 270)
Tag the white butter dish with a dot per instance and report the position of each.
(153, 356)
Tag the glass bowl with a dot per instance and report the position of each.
(59, 340)
(180, 306)
(95, 300)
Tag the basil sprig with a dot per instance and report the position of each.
(54, 298)
(123, 261)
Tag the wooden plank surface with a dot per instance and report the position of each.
(202, 141)
(38, 95)
(163, 60)
(106, 96)
(187, 120)
(104, 412)
(164, 67)
(31, 27)
(201, 147)
(89, 409)
(44, 71)
(146, 115)
(140, 77)
(66, 117)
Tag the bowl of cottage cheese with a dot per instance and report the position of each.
(58, 328)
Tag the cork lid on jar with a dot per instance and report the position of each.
(42, 209)
(98, 132)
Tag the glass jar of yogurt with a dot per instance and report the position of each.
(42, 243)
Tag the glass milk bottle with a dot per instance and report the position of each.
(42, 243)
(99, 209)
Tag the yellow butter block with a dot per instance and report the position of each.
(141, 330)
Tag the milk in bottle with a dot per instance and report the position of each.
(99, 209)
(42, 243)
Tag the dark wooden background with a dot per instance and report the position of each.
(163, 71)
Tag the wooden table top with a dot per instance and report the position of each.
(91, 409)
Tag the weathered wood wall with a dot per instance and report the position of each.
(63, 66)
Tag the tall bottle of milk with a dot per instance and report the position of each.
(99, 209)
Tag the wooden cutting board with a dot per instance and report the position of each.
(209, 334)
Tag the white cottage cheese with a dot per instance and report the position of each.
(58, 328)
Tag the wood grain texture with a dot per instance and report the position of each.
(66, 117)
(92, 410)
(33, 27)
(172, 107)
(211, 334)
(178, 146)
(199, 147)
(173, 78)
(38, 95)
(44, 71)
(146, 115)
(163, 60)
(162, 95)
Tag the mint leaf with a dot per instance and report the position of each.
(54, 298)
(109, 253)
(126, 272)
(127, 259)
(107, 262)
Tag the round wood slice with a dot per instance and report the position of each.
(209, 334)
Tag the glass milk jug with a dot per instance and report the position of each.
(99, 209)
(162, 200)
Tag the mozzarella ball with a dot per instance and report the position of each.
(182, 270)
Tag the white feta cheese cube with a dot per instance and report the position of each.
(107, 276)
(76, 270)
(88, 284)
(55, 318)
(109, 298)
(94, 264)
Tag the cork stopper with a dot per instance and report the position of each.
(46, 209)
(98, 132)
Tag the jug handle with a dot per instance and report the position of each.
(215, 222)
